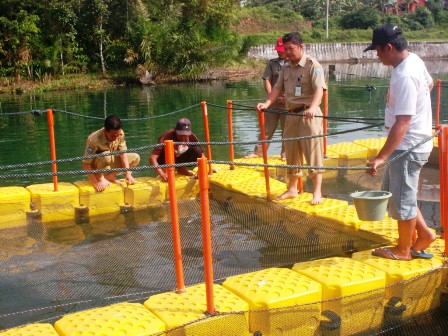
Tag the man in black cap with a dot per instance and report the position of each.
(408, 122)
(183, 153)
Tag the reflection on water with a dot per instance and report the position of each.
(50, 269)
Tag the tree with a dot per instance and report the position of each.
(17, 38)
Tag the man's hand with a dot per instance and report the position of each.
(262, 106)
(374, 164)
(310, 112)
(129, 178)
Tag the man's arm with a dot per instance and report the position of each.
(394, 138)
(272, 96)
(125, 164)
(153, 161)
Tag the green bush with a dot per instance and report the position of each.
(363, 18)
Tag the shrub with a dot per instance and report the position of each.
(363, 18)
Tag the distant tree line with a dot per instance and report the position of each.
(56, 37)
(48, 39)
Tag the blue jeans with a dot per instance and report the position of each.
(401, 179)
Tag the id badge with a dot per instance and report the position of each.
(298, 91)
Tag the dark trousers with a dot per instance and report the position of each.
(191, 155)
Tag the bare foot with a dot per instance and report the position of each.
(112, 179)
(423, 242)
(251, 156)
(317, 199)
(287, 194)
(101, 184)
(184, 171)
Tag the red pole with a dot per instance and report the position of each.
(54, 168)
(207, 134)
(206, 234)
(169, 159)
(325, 123)
(230, 128)
(265, 155)
(438, 95)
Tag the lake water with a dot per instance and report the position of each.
(51, 270)
(150, 110)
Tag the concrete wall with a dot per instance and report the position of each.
(345, 52)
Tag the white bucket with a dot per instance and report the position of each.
(371, 205)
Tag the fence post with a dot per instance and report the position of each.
(325, 121)
(207, 134)
(264, 149)
(438, 95)
(206, 234)
(54, 168)
(169, 159)
(230, 130)
(443, 170)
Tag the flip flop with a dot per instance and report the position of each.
(386, 254)
(421, 254)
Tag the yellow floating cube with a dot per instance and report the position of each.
(349, 155)
(352, 292)
(281, 301)
(35, 329)
(343, 215)
(107, 201)
(308, 208)
(188, 312)
(131, 319)
(228, 177)
(414, 286)
(54, 205)
(14, 204)
(387, 228)
(373, 145)
(257, 187)
(187, 187)
(145, 193)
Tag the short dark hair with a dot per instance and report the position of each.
(399, 43)
(112, 123)
(293, 37)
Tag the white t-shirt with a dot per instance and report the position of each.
(409, 95)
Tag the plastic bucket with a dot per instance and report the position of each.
(371, 205)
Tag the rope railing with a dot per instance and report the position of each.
(221, 162)
(202, 143)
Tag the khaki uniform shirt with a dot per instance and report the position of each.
(300, 81)
(97, 143)
(272, 70)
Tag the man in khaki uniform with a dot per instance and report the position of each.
(108, 139)
(271, 119)
(302, 80)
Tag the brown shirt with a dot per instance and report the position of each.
(97, 143)
(307, 75)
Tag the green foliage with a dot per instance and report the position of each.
(363, 18)
(54, 38)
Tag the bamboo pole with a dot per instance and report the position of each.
(207, 135)
(264, 149)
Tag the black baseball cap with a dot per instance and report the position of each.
(383, 35)
(183, 127)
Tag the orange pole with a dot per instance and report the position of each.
(230, 128)
(206, 233)
(207, 134)
(443, 170)
(325, 121)
(54, 168)
(264, 149)
(438, 95)
(169, 159)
